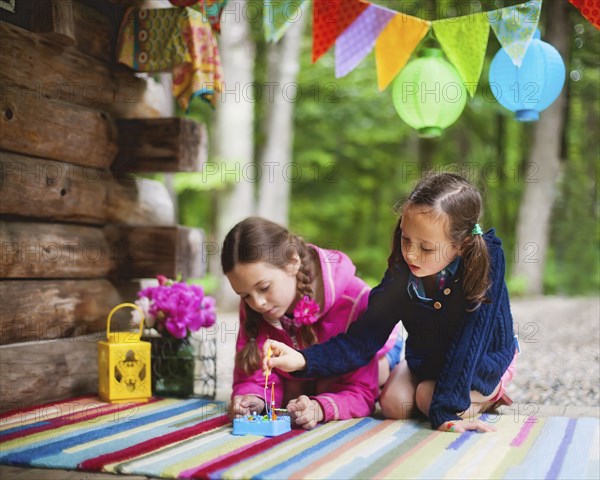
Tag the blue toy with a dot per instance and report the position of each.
(269, 425)
(261, 425)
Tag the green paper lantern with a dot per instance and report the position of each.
(429, 94)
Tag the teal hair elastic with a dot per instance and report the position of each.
(477, 230)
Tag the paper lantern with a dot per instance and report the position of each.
(124, 364)
(429, 94)
(531, 88)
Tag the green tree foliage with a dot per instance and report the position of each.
(354, 159)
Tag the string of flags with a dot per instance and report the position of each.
(527, 73)
(356, 27)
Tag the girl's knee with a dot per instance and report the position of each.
(396, 407)
(423, 396)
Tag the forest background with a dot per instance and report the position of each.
(331, 158)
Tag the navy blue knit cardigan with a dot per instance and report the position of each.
(474, 355)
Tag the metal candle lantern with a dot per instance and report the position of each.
(124, 363)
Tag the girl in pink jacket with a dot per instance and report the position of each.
(300, 295)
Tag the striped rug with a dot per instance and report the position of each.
(172, 438)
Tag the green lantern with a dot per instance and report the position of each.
(429, 94)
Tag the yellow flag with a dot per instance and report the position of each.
(396, 44)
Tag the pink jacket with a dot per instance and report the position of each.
(348, 396)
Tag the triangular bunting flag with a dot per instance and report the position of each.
(330, 19)
(464, 41)
(353, 45)
(325, 21)
(590, 9)
(514, 27)
(396, 44)
(279, 15)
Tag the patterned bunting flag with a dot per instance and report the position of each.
(514, 27)
(396, 44)
(330, 19)
(590, 9)
(464, 41)
(279, 15)
(353, 45)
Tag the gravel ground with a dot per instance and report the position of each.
(559, 362)
(560, 346)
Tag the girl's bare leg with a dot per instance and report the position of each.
(479, 402)
(397, 398)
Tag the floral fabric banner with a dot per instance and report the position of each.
(279, 15)
(353, 45)
(514, 27)
(396, 44)
(464, 41)
(173, 39)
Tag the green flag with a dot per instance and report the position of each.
(464, 41)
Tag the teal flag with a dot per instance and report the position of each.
(514, 27)
(279, 15)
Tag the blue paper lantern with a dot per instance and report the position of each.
(531, 88)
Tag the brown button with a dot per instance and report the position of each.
(447, 291)
(437, 305)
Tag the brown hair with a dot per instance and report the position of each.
(254, 240)
(454, 199)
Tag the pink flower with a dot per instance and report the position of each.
(306, 311)
(177, 308)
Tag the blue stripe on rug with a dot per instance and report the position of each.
(562, 450)
(321, 450)
(176, 454)
(546, 444)
(75, 458)
(576, 459)
(450, 456)
(22, 428)
(404, 433)
(29, 455)
(76, 428)
(313, 452)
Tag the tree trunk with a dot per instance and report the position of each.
(234, 135)
(533, 228)
(276, 167)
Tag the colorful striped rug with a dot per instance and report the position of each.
(192, 438)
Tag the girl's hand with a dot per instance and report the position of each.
(305, 412)
(461, 426)
(245, 405)
(282, 357)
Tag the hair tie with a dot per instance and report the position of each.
(476, 230)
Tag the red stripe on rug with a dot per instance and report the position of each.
(239, 455)
(22, 411)
(97, 463)
(76, 417)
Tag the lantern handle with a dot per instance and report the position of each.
(118, 307)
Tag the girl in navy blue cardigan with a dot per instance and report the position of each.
(445, 282)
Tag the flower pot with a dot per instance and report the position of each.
(173, 362)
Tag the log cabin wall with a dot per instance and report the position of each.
(78, 228)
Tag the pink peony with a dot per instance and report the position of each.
(177, 308)
(306, 311)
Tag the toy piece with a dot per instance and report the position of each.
(269, 425)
